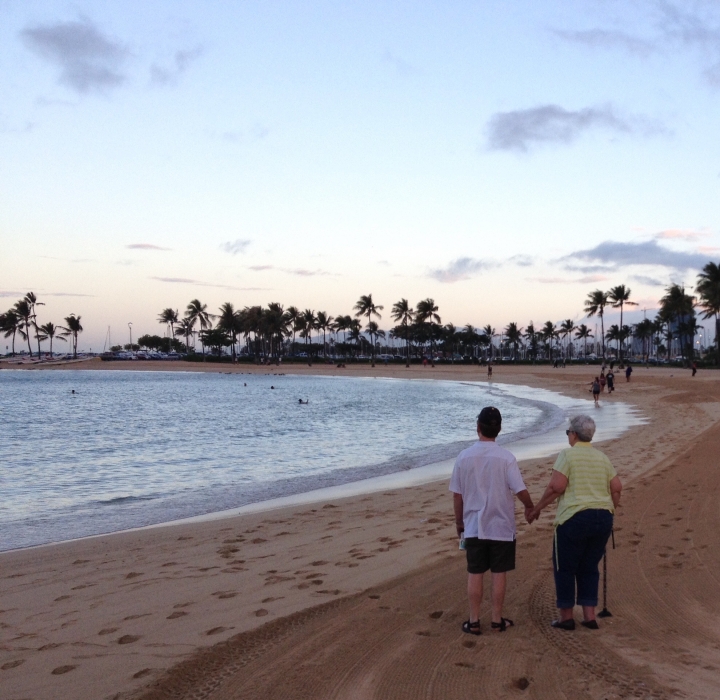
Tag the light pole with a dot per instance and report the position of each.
(130, 328)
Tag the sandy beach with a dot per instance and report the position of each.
(363, 597)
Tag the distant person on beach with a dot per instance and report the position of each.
(489, 370)
(588, 489)
(694, 368)
(603, 381)
(596, 390)
(628, 372)
(610, 378)
(484, 479)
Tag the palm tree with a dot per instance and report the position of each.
(427, 313)
(309, 325)
(31, 299)
(619, 297)
(583, 333)
(677, 307)
(566, 329)
(10, 324)
(276, 324)
(342, 323)
(531, 335)
(196, 311)
(708, 289)
(24, 312)
(73, 328)
(404, 314)
(548, 334)
(324, 321)
(185, 329)
(644, 331)
(169, 317)
(514, 336)
(613, 333)
(595, 306)
(229, 321)
(366, 307)
(50, 330)
(291, 315)
(489, 333)
(355, 329)
(374, 332)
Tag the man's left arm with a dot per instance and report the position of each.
(458, 507)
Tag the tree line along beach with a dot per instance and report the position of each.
(675, 334)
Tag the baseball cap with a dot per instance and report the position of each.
(490, 416)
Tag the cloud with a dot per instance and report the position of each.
(650, 281)
(299, 271)
(11, 294)
(145, 246)
(522, 260)
(160, 75)
(591, 279)
(88, 60)
(520, 129)
(400, 65)
(185, 280)
(617, 254)
(239, 245)
(608, 39)
(461, 269)
(671, 233)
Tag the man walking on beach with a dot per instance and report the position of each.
(484, 481)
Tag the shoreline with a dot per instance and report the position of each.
(540, 440)
(106, 617)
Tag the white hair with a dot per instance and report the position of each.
(583, 427)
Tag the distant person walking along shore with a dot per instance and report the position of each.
(628, 372)
(484, 479)
(595, 388)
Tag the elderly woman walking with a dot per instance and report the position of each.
(588, 490)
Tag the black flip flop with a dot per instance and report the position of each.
(471, 627)
(502, 625)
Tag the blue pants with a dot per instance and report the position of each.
(578, 547)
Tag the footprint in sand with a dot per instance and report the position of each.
(464, 664)
(374, 597)
(469, 644)
(176, 615)
(271, 600)
(108, 630)
(423, 633)
(128, 639)
(80, 561)
(261, 612)
(12, 664)
(133, 574)
(217, 630)
(437, 614)
(143, 673)
(62, 669)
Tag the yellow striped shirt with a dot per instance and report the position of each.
(589, 473)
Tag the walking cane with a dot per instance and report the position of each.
(605, 612)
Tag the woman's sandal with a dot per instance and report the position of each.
(471, 627)
(502, 625)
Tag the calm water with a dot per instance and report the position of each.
(135, 448)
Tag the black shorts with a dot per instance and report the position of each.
(496, 555)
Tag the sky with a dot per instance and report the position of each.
(502, 158)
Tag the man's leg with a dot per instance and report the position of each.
(475, 595)
(499, 585)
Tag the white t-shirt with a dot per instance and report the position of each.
(487, 477)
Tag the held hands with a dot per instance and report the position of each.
(532, 514)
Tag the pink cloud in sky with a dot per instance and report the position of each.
(145, 246)
(679, 234)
